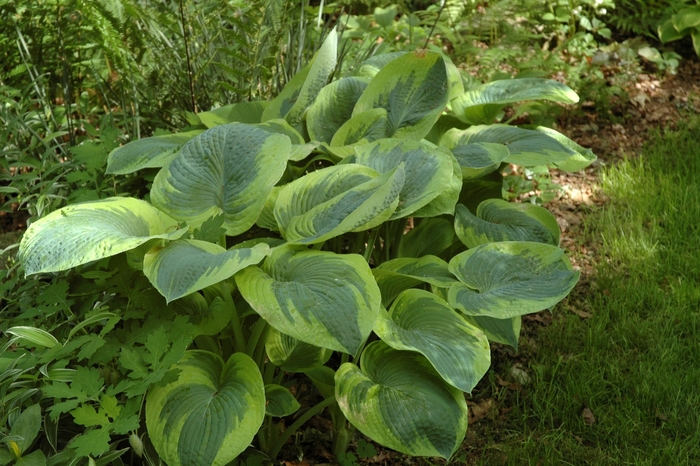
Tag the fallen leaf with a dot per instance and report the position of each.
(478, 411)
(588, 416)
(581, 314)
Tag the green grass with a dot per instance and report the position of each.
(636, 362)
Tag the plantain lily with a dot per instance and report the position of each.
(286, 222)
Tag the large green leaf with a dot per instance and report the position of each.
(413, 89)
(82, 233)
(509, 279)
(427, 168)
(229, 169)
(325, 299)
(505, 331)
(210, 414)
(370, 67)
(475, 106)
(476, 159)
(156, 151)
(242, 112)
(333, 107)
(185, 266)
(583, 157)
(332, 201)
(294, 355)
(498, 220)
(280, 402)
(527, 147)
(446, 201)
(431, 236)
(300, 148)
(687, 18)
(362, 128)
(420, 321)
(397, 275)
(399, 401)
(280, 105)
(322, 67)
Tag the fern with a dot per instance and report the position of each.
(640, 17)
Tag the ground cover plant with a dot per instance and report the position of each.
(283, 245)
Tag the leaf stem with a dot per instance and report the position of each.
(370, 243)
(258, 329)
(311, 412)
(239, 344)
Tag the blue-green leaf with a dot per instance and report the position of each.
(156, 151)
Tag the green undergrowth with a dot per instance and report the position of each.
(633, 363)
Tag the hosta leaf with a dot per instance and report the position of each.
(362, 128)
(209, 319)
(397, 275)
(332, 201)
(242, 112)
(583, 157)
(427, 169)
(210, 414)
(687, 18)
(229, 169)
(294, 355)
(498, 220)
(446, 201)
(322, 66)
(325, 299)
(280, 402)
(509, 279)
(420, 321)
(505, 331)
(476, 159)
(300, 148)
(398, 400)
(82, 233)
(156, 151)
(186, 266)
(527, 147)
(431, 236)
(454, 78)
(370, 67)
(333, 107)
(472, 106)
(280, 105)
(413, 89)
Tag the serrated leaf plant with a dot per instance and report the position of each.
(355, 235)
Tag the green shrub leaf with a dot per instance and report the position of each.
(293, 355)
(279, 401)
(229, 169)
(82, 233)
(333, 107)
(413, 89)
(362, 128)
(397, 275)
(322, 298)
(398, 400)
(242, 112)
(210, 414)
(498, 220)
(509, 279)
(186, 266)
(153, 152)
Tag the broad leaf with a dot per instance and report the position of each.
(293, 355)
(446, 201)
(333, 107)
(583, 157)
(475, 106)
(397, 275)
(82, 233)
(398, 400)
(332, 201)
(153, 152)
(420, 321)
(509, 279)
(498, 220)
(242, 112)
(26, 426)
(322, 67)
(527, 147)
(300, 148)
(280, 105)
(186, 266)
(362, 128)
(413, 89)
(229, 170)
(428, 169)
(279, 401)
(322, 298)
(505, 331)
(370, 67)
(210, 414)
(687, 18)
(476, 159)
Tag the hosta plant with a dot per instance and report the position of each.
(352, 233)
